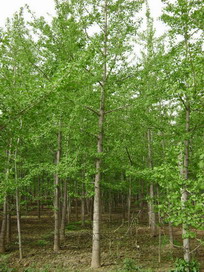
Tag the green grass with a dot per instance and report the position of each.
(42, 243)
(4, 263)
(76, 226)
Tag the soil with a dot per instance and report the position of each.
(123, 248)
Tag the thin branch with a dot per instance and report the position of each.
(120, 108)
(100, 83)
(89, 133)
(201, 244)
(91, 109)
(129, 157)
(183, 102)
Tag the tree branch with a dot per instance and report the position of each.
(120, 108)
(183, 102)
(91, 109)
(129, 157)
(89, 133)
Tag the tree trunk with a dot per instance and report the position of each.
(83, 206)
(57, 196)
(19, 224)
(184, 193)
(129, 201)
(110, 206)
(8, 224)
(68, 208)
(64, 212)
(76, 202)
(38, 201)
(3, 227)
(18, 207)
(171, 235)
(152, 216)
(96, 258)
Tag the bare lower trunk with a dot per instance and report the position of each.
(123, 207)
(83, 206)
(184, 193)
(129, 202)
(18, 206)
(19, 224)
(185, 228)
(64, 212)
(3, 228)
(110, 207)
(68, 209)
(56, 199)
(8, 227)
(171, 235)
(96, 261)
(38, 201)
(96, 256)
(152, 216)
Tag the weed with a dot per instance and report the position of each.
(42, 242)
(183, 266)
(164, 240)
(46, 268)
(129, 265)
(4, 259)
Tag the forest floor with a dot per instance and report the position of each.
(123, 248)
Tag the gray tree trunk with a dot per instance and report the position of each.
(18, 207)
(3, 227)
(152, 216)
(96, 256)
(57, 196)
(64, 212)
(184, 193)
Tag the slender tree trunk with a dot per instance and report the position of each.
(57, 196)
(76, 201)
(38, 201)
(152, 216)
(171, 235)
(83, 206)
(18, 207)
(110, 206)
(3, 227)
(123, 207)
(96, 256)
(184, 193)
(19, 224)
(129, 201)
(64, 212)
(5, 235)
(68, 208)
(8, 224)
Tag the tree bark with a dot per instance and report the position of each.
(83, 206)
(184, 193)
(152, 216)
(64, 212)
(171, 235)
(8, 224)
(129, 200)
(76, 201)
(18, 207)
(68, 208)
(57, 196)
(19, 224)
(38, 201)
(3, 227)
(96, 258)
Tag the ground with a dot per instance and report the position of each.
(123, 248)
